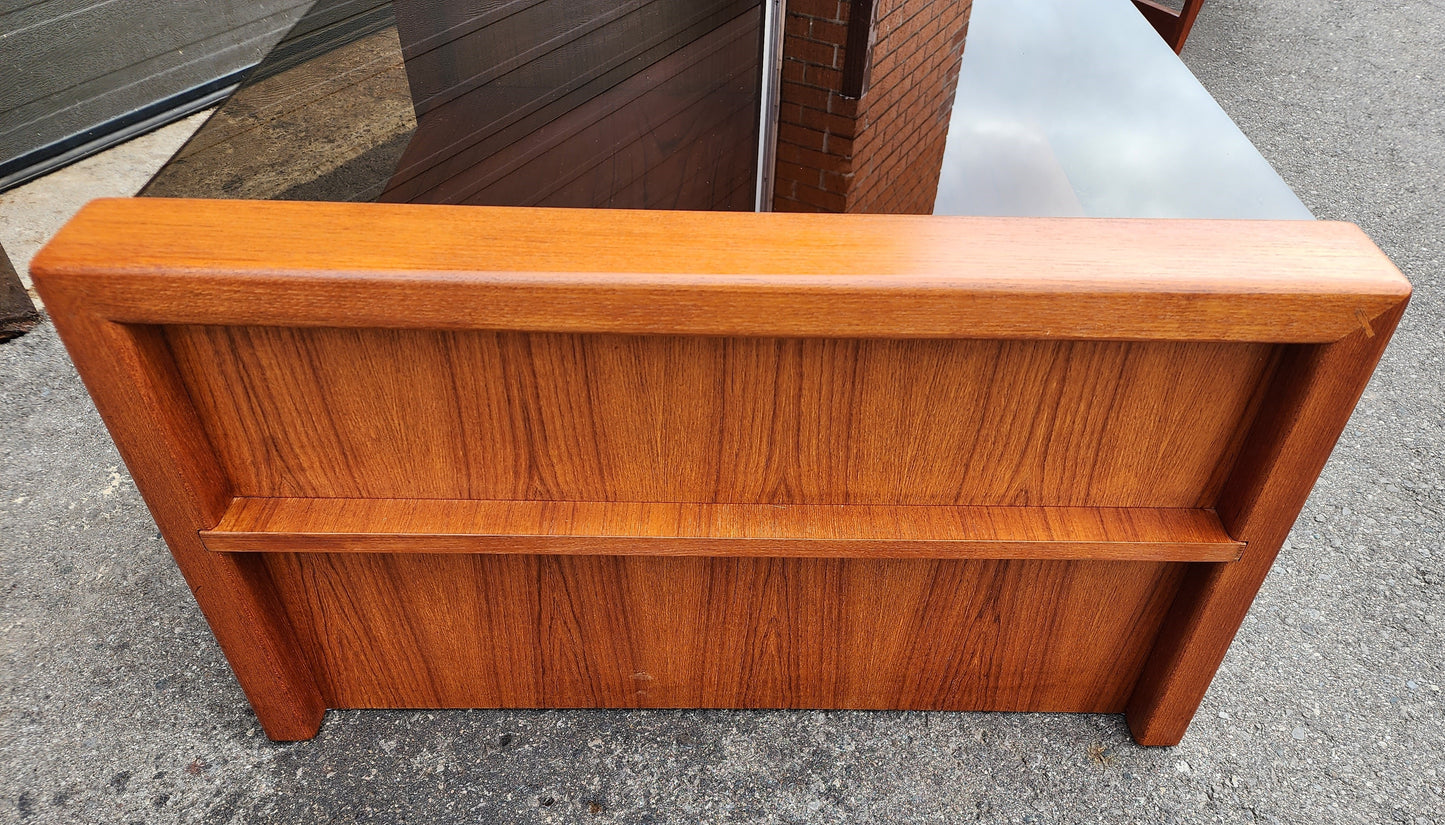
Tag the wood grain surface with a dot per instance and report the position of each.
(607, 631)
(308, 413)
(333, 525)
(710, 273)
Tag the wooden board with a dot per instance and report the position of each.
(600, 631)
(396, 266)
(414, 414)
(445, 457)
(369, 525)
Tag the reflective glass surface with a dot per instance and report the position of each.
(1076, 107)
(582, 103)
(1064, 107)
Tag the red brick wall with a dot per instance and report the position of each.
(879, 152)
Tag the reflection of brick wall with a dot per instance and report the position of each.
(879, 152)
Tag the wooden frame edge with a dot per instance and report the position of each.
(721, 274)
(1173, 26)
(130, 374)
(1285, 452)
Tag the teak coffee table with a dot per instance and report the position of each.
(437, 456)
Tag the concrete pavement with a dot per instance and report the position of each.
(116, 705)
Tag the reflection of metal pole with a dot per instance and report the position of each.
(771, 71)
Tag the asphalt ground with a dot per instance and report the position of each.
(117, 706)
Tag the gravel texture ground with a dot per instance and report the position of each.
(116, 705)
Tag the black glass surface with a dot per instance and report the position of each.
(1063, 107)
(580, 103)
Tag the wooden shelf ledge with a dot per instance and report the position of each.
(330, 525)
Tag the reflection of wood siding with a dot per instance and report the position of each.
(643, 103)
(69, 65)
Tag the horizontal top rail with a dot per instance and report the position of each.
(734, 274)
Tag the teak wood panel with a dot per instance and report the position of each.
(351, 413)
(570, 631)
(479, 365)
(369, 525)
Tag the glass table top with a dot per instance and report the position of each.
(596, 103)
(1063, 107)
(1077, 107)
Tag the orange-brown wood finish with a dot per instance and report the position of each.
(273, 263)
(348, 413)
(444, 457)
(605, 631)
(369, 525)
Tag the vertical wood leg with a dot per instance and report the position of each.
(131, 375)
(1172, 26)
(1186, 23)
(1292, 437)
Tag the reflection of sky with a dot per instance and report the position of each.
(1076, 107)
